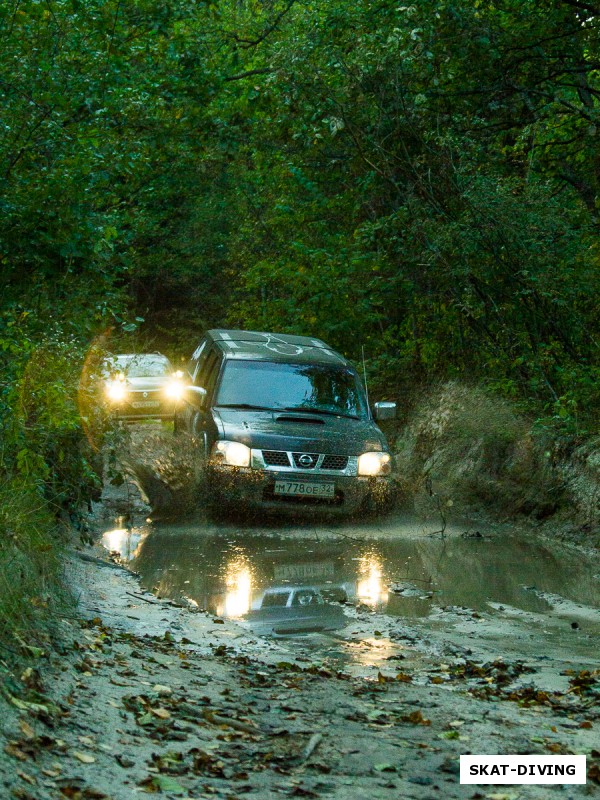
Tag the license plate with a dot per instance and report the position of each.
(146, 404)
(302, 572)
(305, 489)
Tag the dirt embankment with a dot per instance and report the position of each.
(464, 451)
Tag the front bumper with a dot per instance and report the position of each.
(243, 487)
(138, 407)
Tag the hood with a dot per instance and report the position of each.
(147, 383)
(298, 432)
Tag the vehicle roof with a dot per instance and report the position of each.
(284, 347)
(139, 356)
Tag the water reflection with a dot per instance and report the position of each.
(283, 584)
(370, 588)
(238, 588)
(123, 542)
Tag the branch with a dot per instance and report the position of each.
(594, 10)
(253, 42)
(248, 74)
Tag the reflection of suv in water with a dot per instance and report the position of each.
(284, 421)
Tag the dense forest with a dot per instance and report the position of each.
(420, 179)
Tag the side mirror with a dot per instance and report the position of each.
(383, 411)
(195, 395)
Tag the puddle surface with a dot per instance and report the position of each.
(493, 596)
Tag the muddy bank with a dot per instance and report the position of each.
(464, 451)
(152, 697)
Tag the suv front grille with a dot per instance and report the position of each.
(305, 460)
(286, 461)
(334, 462)
(276, 458)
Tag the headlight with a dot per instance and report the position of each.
(235, 454)
(174, 390)
(116, 391)
(375, 464)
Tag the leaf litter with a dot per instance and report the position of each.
(160, 715)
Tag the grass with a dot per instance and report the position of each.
(31, 588)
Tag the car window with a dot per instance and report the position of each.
(314, 387)
(205, 369)
(144, 366)
(198, 358)
(306, 597)
(212, 371)
(275, 599)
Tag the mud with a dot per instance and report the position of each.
(405, 649)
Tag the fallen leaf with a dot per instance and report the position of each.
(85, 758)
(87, 741)
(21, 704)
(117, 682)
(26, 729)
(51, 773)
(163, 783)
(12, 750)
(416, 718)
(501, 796)
(161, 713)
(30, 779)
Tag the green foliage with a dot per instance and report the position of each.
(417, 179)
(30, 571)
(421, 180)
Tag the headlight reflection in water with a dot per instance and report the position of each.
(238, 583)
(371, 588)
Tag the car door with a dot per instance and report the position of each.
(205, 376)
(189, 408)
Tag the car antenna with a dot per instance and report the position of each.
(362, 347)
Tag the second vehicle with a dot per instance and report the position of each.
(142, 385)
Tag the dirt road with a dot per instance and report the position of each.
(151, 697)
(194, 689)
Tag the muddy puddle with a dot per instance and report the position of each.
(373, 594)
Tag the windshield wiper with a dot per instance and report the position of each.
(247, 406)
(321, 411)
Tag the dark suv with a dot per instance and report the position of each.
(284, 420)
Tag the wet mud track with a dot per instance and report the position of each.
(359, 595)
(150, 696)
(305, 659)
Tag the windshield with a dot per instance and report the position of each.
(290, 387)
(144, 367)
